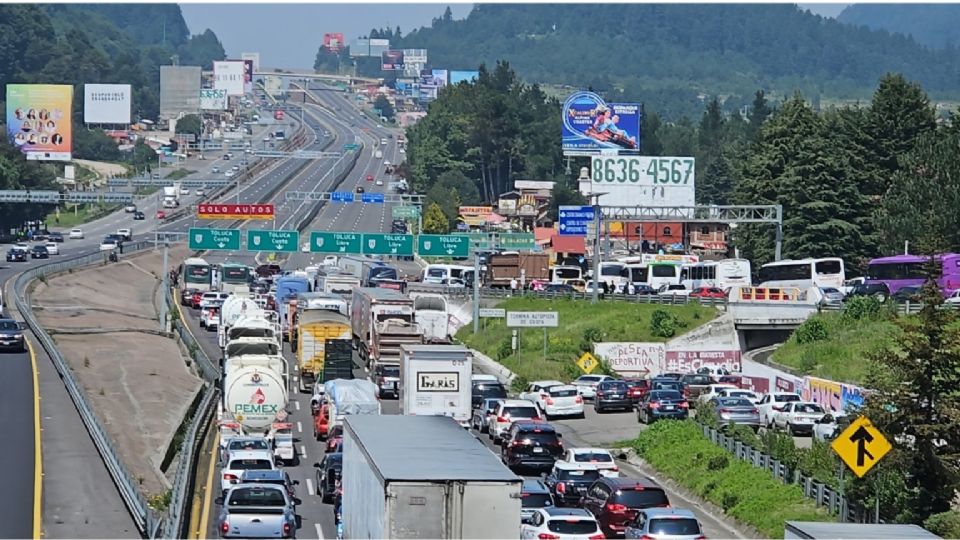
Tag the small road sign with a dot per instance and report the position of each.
(587, 363)
(214, 239)
(341, 196)
(861, 446)
(372, 198)
(492, 313)
(575, 219)
(533, 319)
(336, 242)
(273, 240)
(404, 212)
(443, 245)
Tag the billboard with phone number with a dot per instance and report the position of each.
(39, 120)
(590, 125)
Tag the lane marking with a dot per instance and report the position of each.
(208, 490)
(310, 487)
(297, 405)
(37, 449)
(303, 451)
(299, 427)
(319, 531)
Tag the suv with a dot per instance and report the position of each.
(616, 502)
(328, 476)
(534, 495)
(509, 411)
(482, 390)
(612, 395)
(531, 444)
(569, 482)
(275, 477)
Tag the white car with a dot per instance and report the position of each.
(245, 460)
(184, 191)
(953, 298)
(596, 458)
(563, 400)
(305, 247)
(771, 403)
(212, 298)
(379, 182)
(215, 170)
(228, 174)
(52, 248)
(798, 417)
(558, 523)
(831, 425)
(330, 260)
(713, 390)
(108, 245)
(210, 317)
(509, 411)
(851, 284)
(201, 193)
(587, 384)
(21, 246)
(537, 391)
(241, 443)
(130, 208)
(75, 234)
(748, 395)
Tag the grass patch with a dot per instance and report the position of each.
(841, 351)
(679, 450)
(581, 324)
(179, 174)
(74, 215)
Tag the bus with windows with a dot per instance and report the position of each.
(443, 274)
(724, 274)
(821, 272)
(887, 275)
(196, 273)
(613, 272)
(655, 275)
(235, 278)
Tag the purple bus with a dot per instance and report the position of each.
(902, 271)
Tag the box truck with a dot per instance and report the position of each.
(435, 381)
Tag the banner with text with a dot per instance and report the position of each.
(213, 100)
(228, 75)
(642, 180)
(590, 125)
(39, 120)
(106, 103)
(632, 358)
(235, 211)
(691, 361)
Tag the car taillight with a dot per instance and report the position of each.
(599, 393)
(646, 537)
(502, 419)
(578, 399)
(701, 537)
(755, 411)
(654, 405)
(616, 508)
(224, 527)
(230, 477)
(549, 401)
(561, 488)
(596, 537)
(548, 536)
(286, 529)
(615, 469)
(684, 405)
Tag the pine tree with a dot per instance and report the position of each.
(758, 113)
(434, 221)
(716, 184)
(899, 113)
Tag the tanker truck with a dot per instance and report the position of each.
(232, 309)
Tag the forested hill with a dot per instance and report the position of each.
(933, 25)
(670, 54)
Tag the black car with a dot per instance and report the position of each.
(878, 290)
(39, 252)
(17, 255)
(531, 444)
(56, 237)
(11, 336)
(138, 216)
(359, 189)
(186, 297)
(907, 294)
(486, 389)
(659, 404)
(559, 288)
(612, 395)
(615, 502)
(328, 476)
(569, 482)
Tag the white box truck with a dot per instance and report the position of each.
(396, 484)
(435, 381)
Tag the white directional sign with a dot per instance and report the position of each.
(533, 319)
(492, 313)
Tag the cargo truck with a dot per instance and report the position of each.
(314, 328)
(435, 381)
(171, 196)
(430, 312)
(382, 320)
(396, 484)
(502, 268)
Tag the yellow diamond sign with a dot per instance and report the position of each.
(861, 446)
(587, 363)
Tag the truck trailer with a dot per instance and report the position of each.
(397, 485)
(382, 320)
(435, 381)
(314, 328)
(502, 268)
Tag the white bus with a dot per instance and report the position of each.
(565, 274)
(442, 274)
(613, 272)
(655, 275)
(723, 274)
(804, 273)
(196, 273)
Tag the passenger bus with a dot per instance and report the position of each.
(804, 273)
(655, 275)
(724, 274)
(902, 271)
(441, 274)
(235, 278)
(613, 272)
(196, 273)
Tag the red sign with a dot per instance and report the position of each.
(785, 385)
(235, 211)
(691, 361)
(333, 41)
(760, 385)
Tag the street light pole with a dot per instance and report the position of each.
(596, 246)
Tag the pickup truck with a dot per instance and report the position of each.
(695, 384)
(257, 511)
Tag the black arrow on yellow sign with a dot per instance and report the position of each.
(861, 437)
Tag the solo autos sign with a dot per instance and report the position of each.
(39, 121)
(106, 103)
(235, 211)
(228, 75)
(633, 358)
(590, 125)
(213, 100)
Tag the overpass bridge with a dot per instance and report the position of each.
(349, 79)
(765, 316)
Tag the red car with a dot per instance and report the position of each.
(369, 178)
(638, 389)
(707, 292)
(195, 301)
(161, 214)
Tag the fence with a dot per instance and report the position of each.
(467, 292)
(149, 522)
(902, 308)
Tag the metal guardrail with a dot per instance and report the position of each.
(667, 300)
(902, 308)
(150, 523)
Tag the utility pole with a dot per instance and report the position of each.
(165, 287)
(476, 294)
(596, 247)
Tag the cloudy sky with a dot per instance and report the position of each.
(288, 35)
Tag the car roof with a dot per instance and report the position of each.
(546, 383)
(568, 466)
(563, 387)
(623, 482)
(557, 511)
(534, 486)
(654, 513)
(251, 454)
(518, 403)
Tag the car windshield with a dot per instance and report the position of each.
(665, 394)
(747, 395)
(809, 408)
(614, 386)
(250, 465)
(8, 325)
(248, 445)
(644, 498)
(578, 475)
(521, 412)
(786, 398)
(536, 500)
(675, 527)
(490, 390)
(572, 526)
(256, 496)
(568, 392)
(734, 402)
(542, 437)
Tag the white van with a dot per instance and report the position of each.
(440, 274)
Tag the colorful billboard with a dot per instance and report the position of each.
(228, 75)
(590, 125)
(333, 41)
(213, 100)
(248, 76)
(463, 76)
(391, 60)
(38, 120)
(106, 103)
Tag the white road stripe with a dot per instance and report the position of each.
(319, 531)
(297, 405)
(310, 487)
(303, 451)
(299, 427)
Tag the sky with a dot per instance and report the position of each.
(288, 35)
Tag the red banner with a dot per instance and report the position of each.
(235, 211)
(785, 385)
(691, 361)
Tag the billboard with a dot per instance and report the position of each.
(391, 60)
(248, 76)
(632, 358)
(369, 47)
(179, 91)
(590, 125)
(415, 56)
(228, 75)
(641, 180)
(406, 87)
(333, 41)
(463, 76)
(39, 120)
(213, 100)
(106, 103)
(255, 56)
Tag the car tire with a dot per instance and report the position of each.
(582, 415)
(597, 409)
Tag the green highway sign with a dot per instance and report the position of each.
(351, 147)
(517, 241)
(272, 240)
(208, 239)
(404, 212)
(336, 242)
(388, 244)
(443, 245)
(479, 240)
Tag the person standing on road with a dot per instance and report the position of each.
(631, 289)
(513, 286)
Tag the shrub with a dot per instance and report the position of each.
(505, 349)
(519, 384)
(813, 329)
(663, 324)
(591, 335)
(945, 524)
(861, 308)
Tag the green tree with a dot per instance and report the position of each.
(143, 158)
(434, 222)
(650, 144)
(716, 184)
(94, 144)
(191, 124)
(758, 113)
(384, 106)
(899, 113)
(201, 50)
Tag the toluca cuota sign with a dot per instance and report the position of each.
(235, 211)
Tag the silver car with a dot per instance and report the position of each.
(257, 511)
(831, 296)
(739, 411)
(480, 420)
(587, 384)
(665, 523)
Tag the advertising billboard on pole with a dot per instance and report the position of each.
(179, 91)
(391, 60)
(106, 103)
(38, 120)
(255, 56)
(248, 76)
(642, 180)
(228, 75)
(333, 41)
(461, 76)
(213, 100)
(591, 126)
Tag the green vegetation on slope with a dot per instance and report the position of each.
(751, 495)
(581, 324)
(933, 25)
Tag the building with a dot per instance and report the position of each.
(179, 91)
